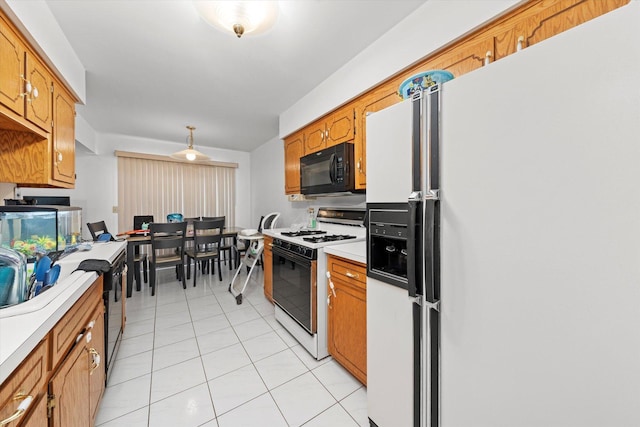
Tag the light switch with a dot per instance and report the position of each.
(115, 209)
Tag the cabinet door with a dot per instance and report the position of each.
(97, 360)
(70, 386)
(315, 137)
(28, 379)
(375, 101)
(467, 56)
(38, 417)
(340, 126)
(293, 150)
(38, 108)
(64, 161)
(11, 68)
(268, 267)
(347, 316)
(347, 328)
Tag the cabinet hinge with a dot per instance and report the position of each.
(51, 88)
(51, 403)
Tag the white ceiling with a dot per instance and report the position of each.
(154, 67)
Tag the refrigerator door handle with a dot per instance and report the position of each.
(431, 259)
(414, 245)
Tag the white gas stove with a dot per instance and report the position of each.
(299, 273)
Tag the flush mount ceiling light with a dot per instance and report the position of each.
(190, 154)
(239, 17)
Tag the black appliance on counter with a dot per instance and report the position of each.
(114, 305)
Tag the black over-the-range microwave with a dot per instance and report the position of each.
(328, 172)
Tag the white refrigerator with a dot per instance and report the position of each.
(535, 318)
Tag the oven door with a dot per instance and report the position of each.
(294, 287)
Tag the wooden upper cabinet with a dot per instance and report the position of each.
(315, 138)
(64, 143)
(340, 126)
(545, 19)
(12, 52)
(375, 101)
(293, 150)
(39, 109)
(333, 129)
(531, 22)
(466, 56)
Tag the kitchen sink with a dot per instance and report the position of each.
(66, 279)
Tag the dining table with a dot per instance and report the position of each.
(144, 238)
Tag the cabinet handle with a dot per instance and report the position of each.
(520, 44)
(22, 408)
(95, 360)
(487, 57)
(329, 301)
(59, 155)
(30, 91)
(351, 275)
(326, 134)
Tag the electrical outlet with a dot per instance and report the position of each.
(115, 209)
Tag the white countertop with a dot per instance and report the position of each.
(23, 326)
(355, 251)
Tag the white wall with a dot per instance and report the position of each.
(97, 180)
(430, 27)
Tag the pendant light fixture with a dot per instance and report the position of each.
(190, 154)
(239, 17)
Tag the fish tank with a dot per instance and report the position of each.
(34, 230)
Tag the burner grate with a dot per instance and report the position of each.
(329, 238)
(302, 233)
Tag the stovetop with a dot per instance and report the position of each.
(329, 238)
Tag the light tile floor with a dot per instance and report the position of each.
(195, 358)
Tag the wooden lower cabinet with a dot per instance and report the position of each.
(64, 374)
(29, 379)
(268, 268)
(78, 383)
(97, 359)
(38, 416)
(70, 386)
(347, 315)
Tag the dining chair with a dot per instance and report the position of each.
(167, 249)
(226, 247)
(207, 236)
(267, 222)
(141, 258)
(96, 229)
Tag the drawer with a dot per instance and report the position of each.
(27, 380)
(349, 271)
(75, 321)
